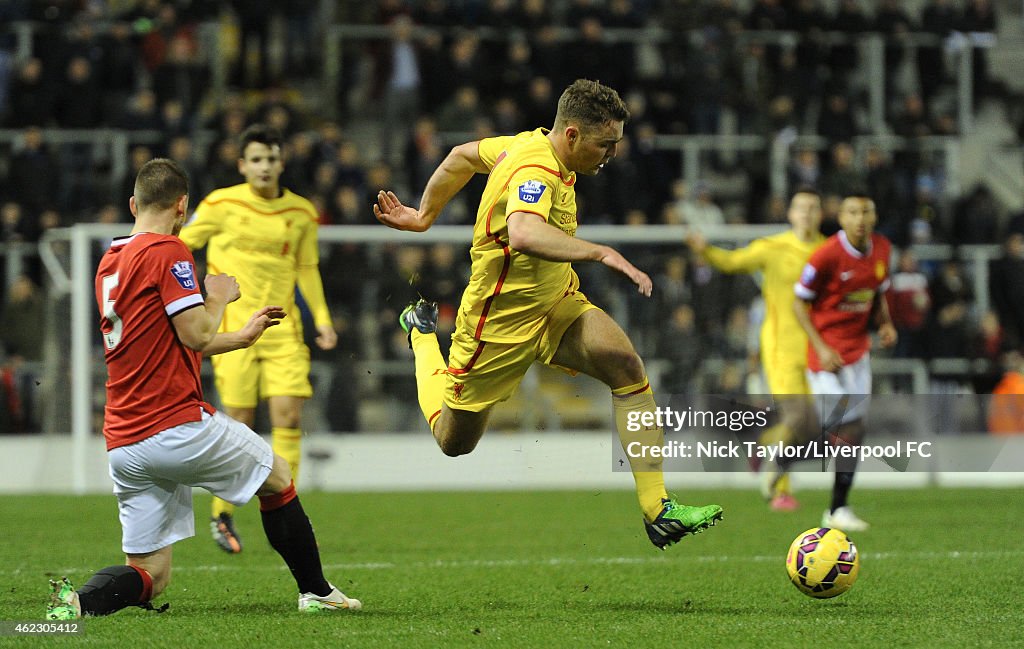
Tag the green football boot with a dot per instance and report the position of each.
(676, 521)
(63, 601)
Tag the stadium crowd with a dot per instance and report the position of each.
(446, 67)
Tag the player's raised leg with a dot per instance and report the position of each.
(419, 321)
(595, 345)
(456, 431)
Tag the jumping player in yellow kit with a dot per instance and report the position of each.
(523, 303)
(266, 236)
(780, 259)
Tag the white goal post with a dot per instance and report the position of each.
(68, 255)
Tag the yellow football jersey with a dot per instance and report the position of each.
(509, 293)
(269, 246)
(780, 258)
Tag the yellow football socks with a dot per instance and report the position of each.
(287, 442)
(771, 437)
(430, 380)
(650, 481)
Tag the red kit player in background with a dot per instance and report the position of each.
(162, 438)
(840, 291)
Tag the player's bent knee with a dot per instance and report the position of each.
(278, 480)
(622, 368)
(454, 446)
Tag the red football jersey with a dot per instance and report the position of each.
(153, 379)
(841, 282)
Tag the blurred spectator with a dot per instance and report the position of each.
(927, 223)
(181, 75)
(804, 169)
(180, 150)
(707, 87)
(767, 15)
(347, 208)
(681, 345)
(539, 103)
(673, 288)
(991, 338)
(895, 23)
(25, 303)
(141, 113)
(1006, 408)
(173, 119)
(300, 20)
(350, 168)
(254, 41)
(222, 166)
(950, 286)
(730, 341)
(517, 71)
(836, 121)
(460, 111)
(657, 166)
(699, 209)
(399, 71)
(883, 188)
(299, 170)
(34, 179)
(423, 154)
(976, 217)
(118, 66)
(850, 21)
(909, 304)
(939, 18)
(78, 102)
(15, 226)
(465, 67)
(842, 177)
(1006, 285)
(138, 155)
(31, 96)
(979, 17)
(535, 14)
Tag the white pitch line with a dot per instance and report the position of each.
(560, 561)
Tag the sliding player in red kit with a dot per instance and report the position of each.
(162, 438)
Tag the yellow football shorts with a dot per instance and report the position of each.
(270, 368)
(786, 377)
(480, 374)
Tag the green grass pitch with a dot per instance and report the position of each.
(939, 568)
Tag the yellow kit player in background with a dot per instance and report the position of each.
(523, 302)
(779, 259)
(266, 237)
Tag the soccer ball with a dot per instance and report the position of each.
(823, 562)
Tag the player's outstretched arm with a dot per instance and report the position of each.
(531, 235)
(450, 176)
(260, 321)
(748, 259)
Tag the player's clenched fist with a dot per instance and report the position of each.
(224, 287)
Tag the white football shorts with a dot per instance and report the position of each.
(153, 479)
(842, 397)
